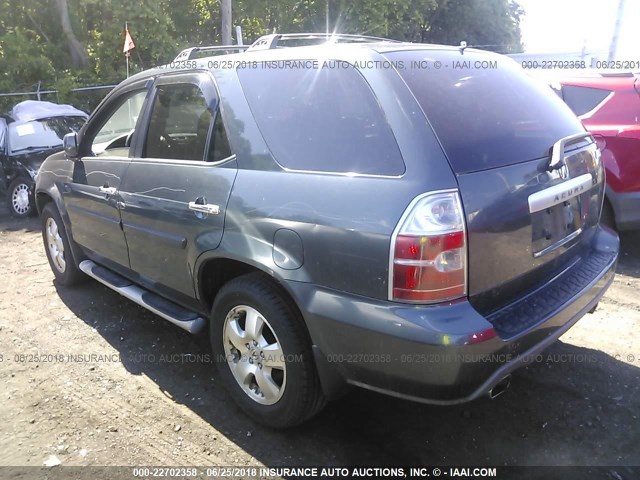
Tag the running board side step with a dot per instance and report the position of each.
(185, 319)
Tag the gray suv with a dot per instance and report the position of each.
(411, 219)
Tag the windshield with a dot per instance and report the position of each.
(39, 134)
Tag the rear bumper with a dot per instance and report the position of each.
(626, 208)
(428, 354)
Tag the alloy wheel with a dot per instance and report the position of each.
(20, 199)
(55, 245)
(254, 355)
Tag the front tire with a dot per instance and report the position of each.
(263, 353)
(57, 247)
(19, 199)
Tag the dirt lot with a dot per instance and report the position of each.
(149, 401)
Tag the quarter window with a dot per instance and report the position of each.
(325, 120)
(220, 148)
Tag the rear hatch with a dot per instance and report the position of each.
(529, 175)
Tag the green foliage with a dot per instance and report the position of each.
(490, 24)
(34, 46)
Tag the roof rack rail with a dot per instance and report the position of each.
(268, 42)
(190, 53)
(618, 73)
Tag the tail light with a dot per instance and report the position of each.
(428, 261)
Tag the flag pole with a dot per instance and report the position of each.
(126, 29)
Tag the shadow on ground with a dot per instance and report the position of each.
(556, 412)
(629, 263)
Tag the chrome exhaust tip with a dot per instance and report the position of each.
(500, 387)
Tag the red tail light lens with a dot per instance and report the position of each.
(429, 251)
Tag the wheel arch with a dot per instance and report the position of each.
(609, 213)
(332, 383)
(214, 271)
(42, 199)
(14, 170)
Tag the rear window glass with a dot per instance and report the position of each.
(325, 120)
(583, 99)
(486, 116)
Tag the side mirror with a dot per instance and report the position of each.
(70, 145)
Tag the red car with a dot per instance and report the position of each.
(609, 107)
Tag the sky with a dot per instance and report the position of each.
(566, 25)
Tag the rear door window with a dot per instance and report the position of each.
(583, 99)
(325, 120)
(485, 115)
(179, 124)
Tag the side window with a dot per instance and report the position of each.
(114, 136)
(324, 120)
(583, 99)
(180, 123)
(219, 149)
(3, 130)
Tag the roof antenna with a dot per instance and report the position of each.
(463, 45)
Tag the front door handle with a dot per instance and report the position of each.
(108, 190)
(207, 208)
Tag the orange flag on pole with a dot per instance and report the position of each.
(128, 42)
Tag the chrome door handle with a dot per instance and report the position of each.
(207, 208)
(108, 190)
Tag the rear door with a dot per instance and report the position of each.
(91, 198)
(175, 192)
(529, 175)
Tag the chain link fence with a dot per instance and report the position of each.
(85, 98)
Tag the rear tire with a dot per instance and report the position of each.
(263, 352)
(19, 199)
(57, 247)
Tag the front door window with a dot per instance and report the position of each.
(114, 137)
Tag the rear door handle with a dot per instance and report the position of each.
(108, 190)
(207, 208)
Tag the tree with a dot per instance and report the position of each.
(67, 43)
(490, 24)
(226, 14)
(79, 57)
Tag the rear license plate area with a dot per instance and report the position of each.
(555, 225)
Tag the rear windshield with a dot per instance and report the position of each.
(485, 114)
(324, 120)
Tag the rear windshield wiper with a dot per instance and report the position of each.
(43, 147)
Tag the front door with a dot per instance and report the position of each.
(91, 197)
(175, 192)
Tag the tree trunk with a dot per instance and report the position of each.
(79, 58)
(225, 13)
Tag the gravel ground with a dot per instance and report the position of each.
(146, 398)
